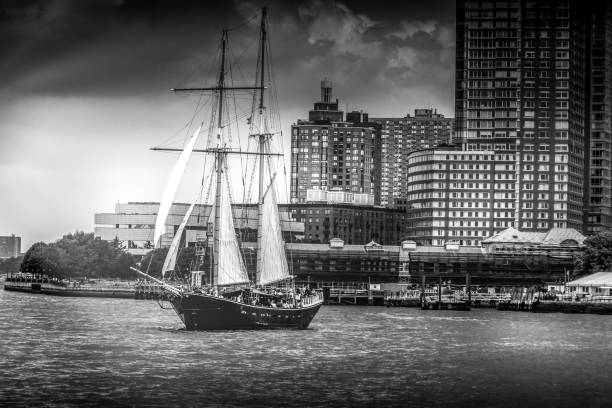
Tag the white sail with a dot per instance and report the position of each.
(171, 186)
(271, 259)
(231, 269)
(170, 261)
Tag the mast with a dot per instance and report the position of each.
(262, 141)
(219, 162)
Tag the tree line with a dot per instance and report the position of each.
(81, 255)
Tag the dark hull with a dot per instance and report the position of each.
(204, 312)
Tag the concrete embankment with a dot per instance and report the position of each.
(47, 288)
(572, 307)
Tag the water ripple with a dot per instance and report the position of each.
(64, 352)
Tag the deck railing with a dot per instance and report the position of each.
(312, 299)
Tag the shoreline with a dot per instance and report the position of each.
(57, 290)
(567, 307)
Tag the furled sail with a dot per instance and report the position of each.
(171, 186)
(170, 261)
(271, 259)
(231, 265)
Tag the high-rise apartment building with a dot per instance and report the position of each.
(457, 195)
(521, 87)
(10, 246)
(401, 136)
(330, 154)
(326, 110)
(599, 149)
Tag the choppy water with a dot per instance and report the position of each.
(119, 352)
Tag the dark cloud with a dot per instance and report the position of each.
(84, 86)
(115, 48)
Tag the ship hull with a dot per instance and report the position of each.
(205, 312)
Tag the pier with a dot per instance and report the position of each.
(445, 302)
(148, 290)
(33, 283)
(406, 298)
(353, 295)
(452, 300)
(528, 300)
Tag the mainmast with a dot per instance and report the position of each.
(219, 163)
(262, 141)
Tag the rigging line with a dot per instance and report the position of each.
(187, 126)
(245, 22)
(236, 59)
(237, 129)
(212, 123)
(210, 182)
(252, 125)
(231, 77)
(274, 93)
(198, 108)
(246, 195)
(211, 67)
(252, 181)
(228, 121)
(150, 260)
(204, 176)
(274, 102)
(206, 199)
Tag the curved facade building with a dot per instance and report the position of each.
(460, 196)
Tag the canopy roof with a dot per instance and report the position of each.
(554, 237)
(598, 279)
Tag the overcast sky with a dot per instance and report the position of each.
(84, 88)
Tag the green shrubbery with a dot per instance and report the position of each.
(79, 255)
(597, 254)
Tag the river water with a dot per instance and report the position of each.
(58, 351)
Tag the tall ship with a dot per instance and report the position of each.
(222, 296)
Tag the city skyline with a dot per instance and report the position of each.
(85, 90)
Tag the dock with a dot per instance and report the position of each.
(445, 302)
(353, 296)
(414, 298)
(47, 286)
(527, 300)
(147, 290)
(40, 284)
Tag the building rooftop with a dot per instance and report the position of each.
(598, 279)
(367, 248)
(554, 237)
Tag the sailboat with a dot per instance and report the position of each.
(225, 298)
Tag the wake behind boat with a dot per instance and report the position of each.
(225, 298)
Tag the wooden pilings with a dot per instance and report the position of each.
(146, 290)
